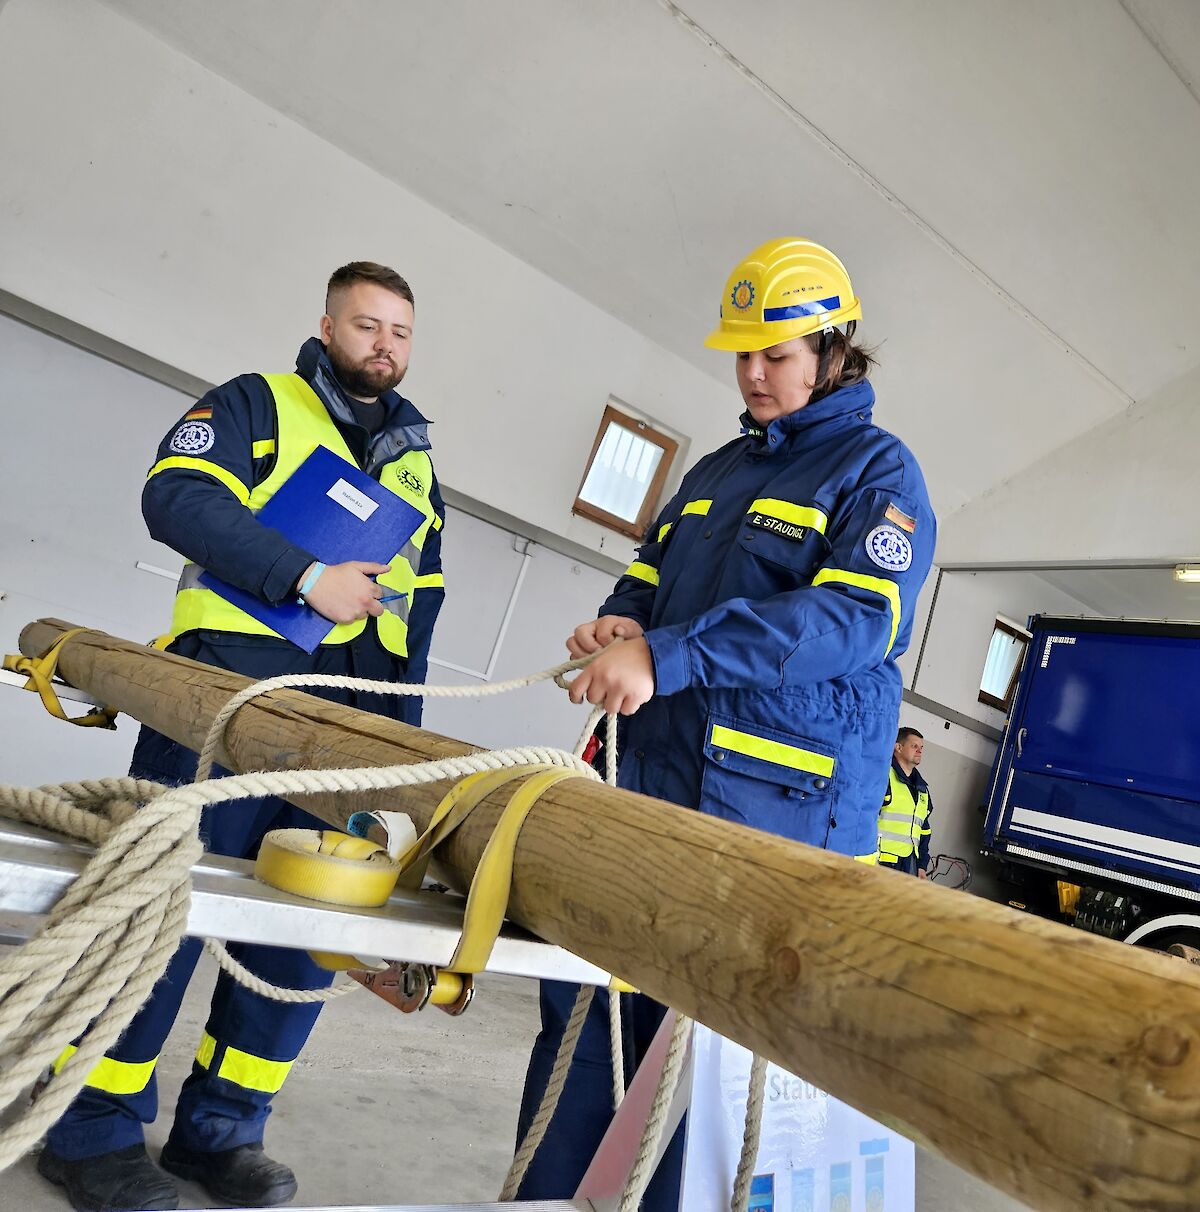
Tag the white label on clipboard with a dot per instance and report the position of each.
(353, 500)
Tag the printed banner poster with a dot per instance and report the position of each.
(816, 1154)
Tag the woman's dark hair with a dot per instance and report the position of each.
(841, 362)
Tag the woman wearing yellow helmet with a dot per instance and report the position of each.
(762, 619)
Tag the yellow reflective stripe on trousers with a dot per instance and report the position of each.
(889, 589)
(695, 507)
(227, 478)
(786, 511)
(791, 756)
(253, 1072)
(260, 450)
(432, 580)
(204, 1054)
(244, 1068)
(643, 572)
(112, 1076)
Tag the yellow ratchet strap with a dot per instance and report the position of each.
(327, 866)
(458, 803)
(40, 670)
(488, 897)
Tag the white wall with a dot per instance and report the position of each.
(483, 577)
(1127, 490)
(149, 200)
(77, 436)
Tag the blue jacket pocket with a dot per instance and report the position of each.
(767, 753)
(768, 779)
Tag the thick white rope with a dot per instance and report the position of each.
(643, 1165)
(751, 1134)
(554, 1088)
(102, 947)
(107, 941)
(98, 955)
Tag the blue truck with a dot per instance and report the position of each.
(1093, 805)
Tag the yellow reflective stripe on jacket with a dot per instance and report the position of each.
(436, 523)
(260, 450)
(244, 1068)
(786, 511)
(889, 589)
(432, 580)
(791, 756)
(870, 859)
(699, 507)
(112, 1076)
(643, 572)
(227, 478)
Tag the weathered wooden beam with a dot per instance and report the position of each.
(1060, 1067)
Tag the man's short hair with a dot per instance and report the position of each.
(905, 733)
(367, 271)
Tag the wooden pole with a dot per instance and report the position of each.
(1060, 1067)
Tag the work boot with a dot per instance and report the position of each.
(243, 1176)
(125, 1180)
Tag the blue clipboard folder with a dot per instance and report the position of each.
(336, 511)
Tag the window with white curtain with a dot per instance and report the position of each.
(1005, 654)
(625, 473)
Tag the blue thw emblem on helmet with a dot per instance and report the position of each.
(742, 295)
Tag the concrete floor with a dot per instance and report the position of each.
(407, 1109)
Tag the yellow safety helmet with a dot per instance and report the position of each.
(783, 289)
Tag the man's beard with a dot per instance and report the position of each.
(361, 380)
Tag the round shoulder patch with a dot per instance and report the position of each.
(193, 437)
(889, 548)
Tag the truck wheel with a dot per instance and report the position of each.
(1163, 940)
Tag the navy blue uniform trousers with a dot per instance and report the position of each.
(213, 1112)
(249, 1040)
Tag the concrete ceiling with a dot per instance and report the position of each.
(1012, 183)
(1130, 593)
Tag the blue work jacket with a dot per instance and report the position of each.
(776, 590)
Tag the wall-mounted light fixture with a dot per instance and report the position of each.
(1187, 572)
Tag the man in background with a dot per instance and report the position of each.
(904, 829)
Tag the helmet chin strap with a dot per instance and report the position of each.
(823, 354)
(823, 349)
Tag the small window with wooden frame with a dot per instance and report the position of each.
(1006, 654)
(625, 473)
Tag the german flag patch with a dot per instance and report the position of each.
(201, 413)
(894, 514)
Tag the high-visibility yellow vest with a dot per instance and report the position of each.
(302, 424)
(901, 820)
